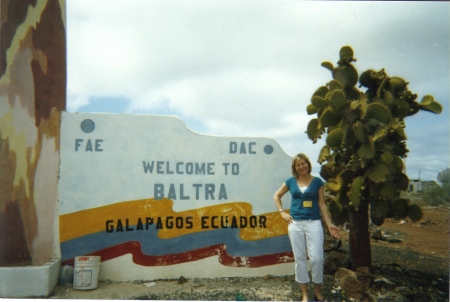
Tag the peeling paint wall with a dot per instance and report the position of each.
(157, 200)
(32, 97)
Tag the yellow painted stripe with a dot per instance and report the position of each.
(90, 221)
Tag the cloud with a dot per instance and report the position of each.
(246, 68)
(242, 96)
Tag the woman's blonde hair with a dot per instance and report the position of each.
(297, 157)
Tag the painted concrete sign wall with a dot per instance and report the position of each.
(157, 200)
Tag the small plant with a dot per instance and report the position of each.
(440, 193)
(365, 143)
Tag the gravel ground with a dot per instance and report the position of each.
(403, 275)
(416, 269)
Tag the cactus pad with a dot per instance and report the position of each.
(398, 162)
(369, 79)
(346, 177)
(388, 191)
(378, 209)
(378, 221)
(415, 212)
(319, 102)
(360, 134)
(355, 192)
(378, 173)
(427, 100)
(338, 100)
(327, 171)
(335, 85)
(379, 112)
(400, 109)
(328, 65)
(386, 158)
(314, 129)
(396, 85)
(323, 155)
(329, 117)
(334, 138)
(321, 91)
(311, 109)
(346, 75)
(401, 207)
(334, 207)
(346, 55)
(434, 107)
(367, 150)
(401, 182)
(341, 218)
(334, 184)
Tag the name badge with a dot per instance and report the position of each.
(307, 204)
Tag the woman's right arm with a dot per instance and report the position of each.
(277, 198)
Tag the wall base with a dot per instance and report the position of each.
(29, 281)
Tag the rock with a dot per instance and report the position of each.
(137, 281)
(377, 235)
(349, 282)
(352, 287)
(343, 272)
(149, 284)
(332, 244)
(425, 221)
(365, 298)
(334, 260)
(383, 280)
(393, 270)
(400, 298)
(182, 280)
(404, 290)
(393, 240)
(442, 294)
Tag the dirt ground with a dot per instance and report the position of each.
(428, 236)
(419, 262)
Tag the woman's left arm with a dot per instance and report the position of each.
(334, 230)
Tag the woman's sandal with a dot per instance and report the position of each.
(317, 300)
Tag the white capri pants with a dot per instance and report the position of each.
(306, 238)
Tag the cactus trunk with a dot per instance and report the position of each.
(359, 237)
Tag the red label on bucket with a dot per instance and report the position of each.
(83, 258)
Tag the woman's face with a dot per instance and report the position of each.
(301, 166)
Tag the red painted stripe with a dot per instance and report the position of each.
(134, 247)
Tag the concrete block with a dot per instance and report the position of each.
(29, 281)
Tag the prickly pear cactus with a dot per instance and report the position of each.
(365, 139)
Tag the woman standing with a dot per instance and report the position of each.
(305, 226)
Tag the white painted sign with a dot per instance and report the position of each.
(148, 186)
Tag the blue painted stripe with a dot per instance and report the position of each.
(152, 245)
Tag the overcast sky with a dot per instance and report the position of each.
(249, 68)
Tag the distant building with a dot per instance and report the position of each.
(415, 185)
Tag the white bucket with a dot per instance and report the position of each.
(86, 272)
